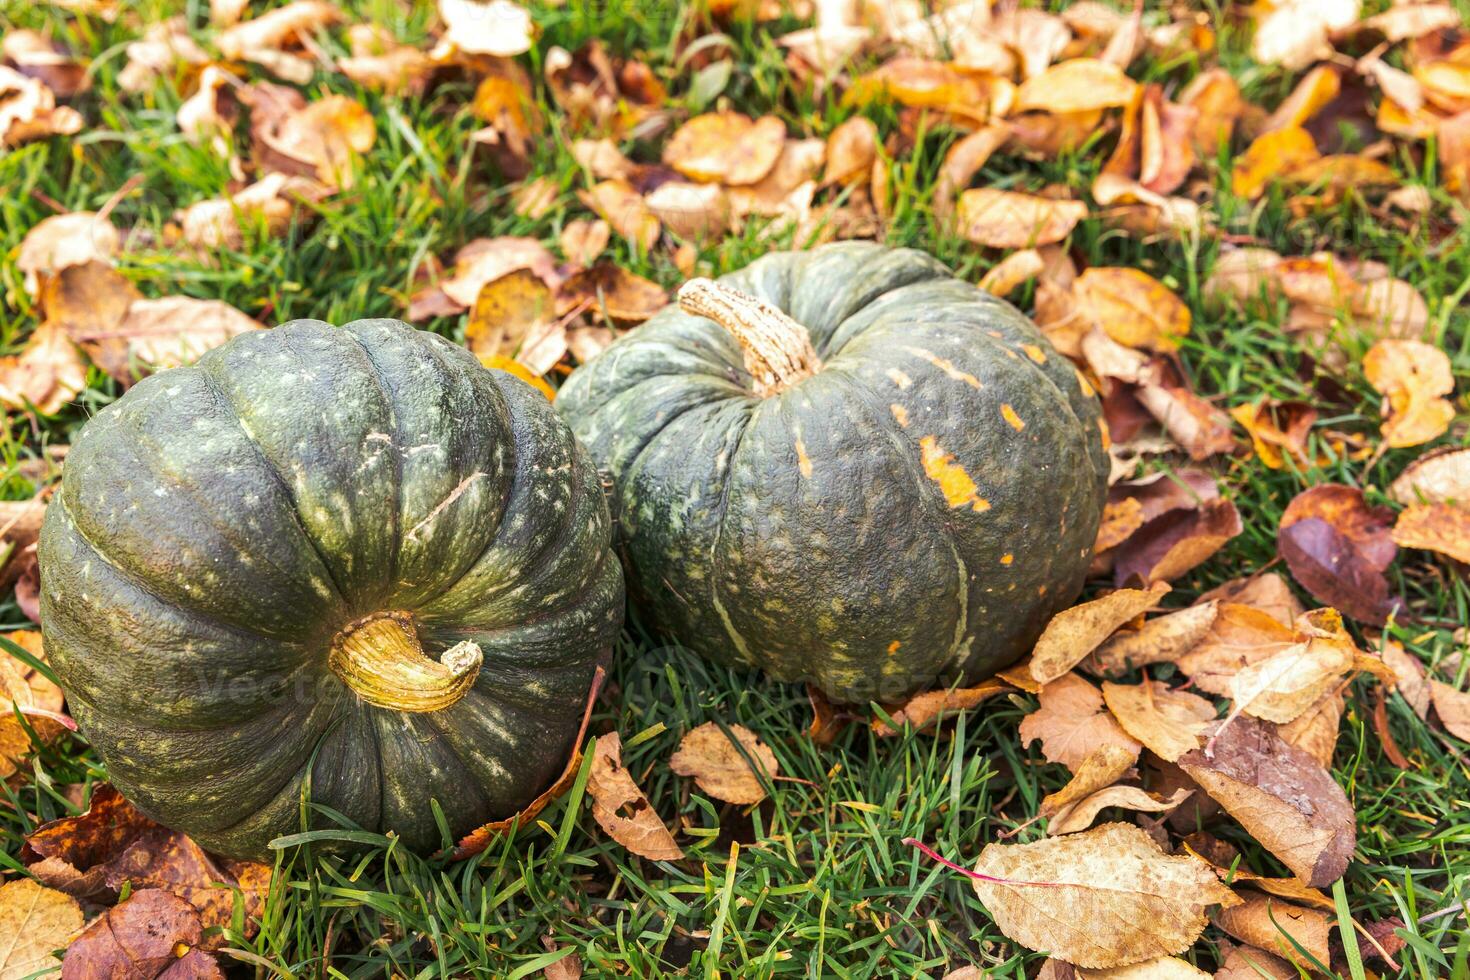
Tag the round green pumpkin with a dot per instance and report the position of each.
(348, 565)
(903, 501)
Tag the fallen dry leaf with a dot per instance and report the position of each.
(1133, 308)
(1442, 528)
(1007, 275)
(37, 921)
(1009, 219)
(1080, 815)
(501, 28)
(1200, 428)
(1174, 543)
(507, 312)
(720, 768)
(379, 61)
(697, 212)
(1072, 723)
(1098, 771)
(136, 938)
(927, 709)
(319, 140)
(484, 260)
(26, 689)
(28, 110)
(1338, 547)
(962, 161)
(38, 56)
(1453, 707)
(621, 809)
(1277, 432)
(1074, 633)
(1215, 96)
(1411, 680)
(1413, 376)
(162, 333)
(64, 240)
(1250, 963)
(1270, 923)
(1281, 796)
(1315, 730)
(45, 375)
(1240, 635)
(1265, 591)
(1270, 155)
(1104, 898)
(1167, 723)
(1163, 639)
(613, 292)
(624, 209)
(851, 149)
(583, 240)
(1295, 33)
(272, 202)
(726, 147)
(1282, 686)
(1078, 85)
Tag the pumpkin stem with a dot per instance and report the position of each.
(381, 659)
(778, 350)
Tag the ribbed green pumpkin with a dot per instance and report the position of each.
(344, 563)
(905, 500)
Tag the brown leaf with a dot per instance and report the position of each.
(1277, 431)
(161, 333)
(28, 110)
(1270, 923)
(726, 147)
(46, 374)
(719, 767)
(1240, 635)
(1080, 815)
(624, 209)
(1098, 771)
(1411, 681)
(37, 56)
(1007, 275)
(65, 240)
(319, 140)
(927, 709)
(583, 240)
(1133, 308)
(20, 525)
(1413, 376)
(1315, 730)
(1274, 153)
(1172, 544)
(1281, 796)
(1265, 591)
(1072, 723)
(272, 202)
(1338, 547)
(1215, 96)
(1119, 520)
(621, 809)
(276, 29)
(1163, 639)
(1078, 85)
(35, 920)
(1104, 898)
(1244, 275)
(569, 967)
(962, 161)
(1074, 633)
(851, 149)
(697, 212)
(136, 938)
(1453, 707)
(1250, 963)
(1405, 21)
(507, 313)
(500, 28)
(1199, 427)
(1008, 219)
(1281, 687)
(27, 689)
(487, 259)
(1167, 723)
(613, 292)
(380, 62)
(1442, 528)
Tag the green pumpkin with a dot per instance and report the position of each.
(877, 479)
(348, 565)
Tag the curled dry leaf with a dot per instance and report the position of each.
(1072, 723)
(1413, 376)
(1282, 686)
(1133, 308)
(1098, 771)
(1272, 154)
(1272, 924)
(622, 810)
(1104, 898)
(1295, 33)
(1080, 815)
(697, 212)
(1442, 528)
(28, 110)
(1168, 723)
(1281, 796)
(1265, 591)
(1338, 547)
(1007, 275)
(721, 768)
(1438, 477)
(484, 260)
(271, 202)
(136, 938)
(1074, 633)
(1163, 639)
(319, 140)
(726, 147)
(1078, 85)
(1250, 963)
(1277, 432)
(1008, 219)
(1215, 96)
(501, 28)
(276, 29)
(613, 293)
(1240, 635)
(962, 161)
(624, 209)
(379, 61)
(1174, 543)
(926, 710)
(35, 920)
(1410, 679)
(1314, 731)
(38, 56)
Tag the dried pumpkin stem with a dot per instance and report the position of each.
(778, 350)
(381, 659)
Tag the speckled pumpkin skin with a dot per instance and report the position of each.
(218, 524)
(912, 513)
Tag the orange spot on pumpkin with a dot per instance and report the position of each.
(957, 486)
(1035, 353)
(946, 366)
(899, 378)
(1010, 416)
(893, 647)
(1007, 558)
(900, 413)
(803, 462)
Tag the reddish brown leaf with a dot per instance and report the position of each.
(1171, 545)
(137, 938)
(621, 809)
(1338, 547)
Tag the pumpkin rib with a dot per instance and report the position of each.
(736, 639)
(274, 469)
(396, 536)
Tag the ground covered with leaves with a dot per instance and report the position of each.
(1242, 756)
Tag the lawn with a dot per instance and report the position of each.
(816, 880)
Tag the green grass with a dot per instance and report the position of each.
(814, 881)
